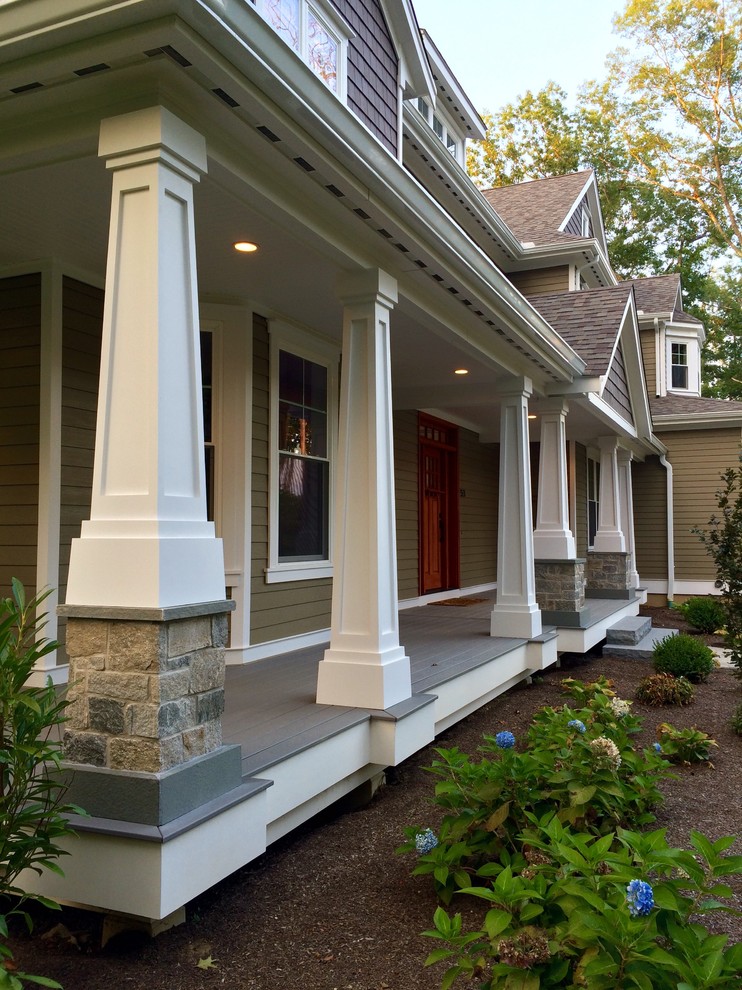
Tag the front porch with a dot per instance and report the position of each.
(298, 757)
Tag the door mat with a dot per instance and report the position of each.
(460, 602)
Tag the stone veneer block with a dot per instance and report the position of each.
(609, 572)
(560, 584)
(146, 693)
(630, 630)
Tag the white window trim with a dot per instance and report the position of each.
(692, 350)
(216, 329)
(335, 25)
(592, 455)
(312, 348)
(457, 150)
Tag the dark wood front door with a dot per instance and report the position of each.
(438, 506)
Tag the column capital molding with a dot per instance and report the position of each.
(370, 285)
(556, 405)
(624, 456)
(607, 444)
(515, 388)
(151, 135)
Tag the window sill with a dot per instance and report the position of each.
(309, 571)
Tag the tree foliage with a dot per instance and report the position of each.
(663, 132)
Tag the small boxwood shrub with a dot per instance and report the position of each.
(683, 656)
(665, 689)
(705, 614)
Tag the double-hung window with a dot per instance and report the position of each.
(303, 404)
(316, 32)
(679, 365)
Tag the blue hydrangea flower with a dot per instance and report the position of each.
(425, 841)
(640, 898)
(657, 748)
(505, 740)
(575, 723)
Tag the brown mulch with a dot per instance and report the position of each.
(331, 907)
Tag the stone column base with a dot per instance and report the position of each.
(609, 574)
(146, 686)
(560, 587)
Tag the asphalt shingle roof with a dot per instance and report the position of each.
(692, 405)
(658, 294)
(589, 321)
(535, 210)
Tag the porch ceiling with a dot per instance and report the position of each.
(60, 211)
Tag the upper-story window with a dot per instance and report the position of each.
(679, 365)
(316, 33)
(441, 129)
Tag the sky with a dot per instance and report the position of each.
(497, 49)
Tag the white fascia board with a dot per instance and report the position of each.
(611, 417)
(451, 83)
(566, 251)
(416, 74)
(691, 422)
(578, 199)
(461, 183)
(580, 386)
(628, 337)
(696, 331)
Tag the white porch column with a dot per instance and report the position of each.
(148, 543)
(626, 493)
(365, 665)
(552, 538)
(516, 613)
(610, 537)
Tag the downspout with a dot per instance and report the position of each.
(670, 531)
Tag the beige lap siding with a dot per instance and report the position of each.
(82, 321)
(649, 356)
(649, 482)
(20, 354)
(478, 478)
(293, 607)
(580, 477)
(542, 281)
(698, 458)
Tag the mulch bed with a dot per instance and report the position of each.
(331, 907)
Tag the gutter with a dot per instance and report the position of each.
(670, 531)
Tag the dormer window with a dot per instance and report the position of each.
(315, 32)
(441, 128)
(679, 365)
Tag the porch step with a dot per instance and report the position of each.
(643, 650)
(630, 630)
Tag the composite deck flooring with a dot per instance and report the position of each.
(270, 706)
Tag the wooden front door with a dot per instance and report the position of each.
(438, 505)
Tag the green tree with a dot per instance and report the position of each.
(677, 103)
(663, 132)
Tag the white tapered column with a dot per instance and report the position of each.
(148, 542)
(609, 537)
(626, 494)
(516, 613)
(365, 666)
(552, 538)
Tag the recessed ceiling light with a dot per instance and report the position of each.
(461, 371)
(245, 247)
(532, 416)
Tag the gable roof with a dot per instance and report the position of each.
(536, 210)
(661, 294)
(589, 321)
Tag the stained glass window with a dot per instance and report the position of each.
(311, 30)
